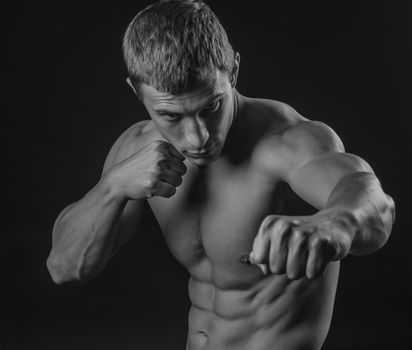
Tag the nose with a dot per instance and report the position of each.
(196, 133)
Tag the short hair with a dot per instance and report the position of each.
(173, 41)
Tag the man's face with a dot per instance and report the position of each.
(196, 122)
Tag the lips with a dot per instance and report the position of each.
(200, 154)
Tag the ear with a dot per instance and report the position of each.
(235, 71)
(129, 82)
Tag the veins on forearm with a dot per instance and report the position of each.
(373, 210)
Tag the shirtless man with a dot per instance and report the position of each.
(210, 163)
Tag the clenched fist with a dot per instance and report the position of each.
(303, 245)
(155, 170)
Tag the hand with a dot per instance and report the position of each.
(303, 245)
(155, 170)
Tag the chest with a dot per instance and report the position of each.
(216, 213)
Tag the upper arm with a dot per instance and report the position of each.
(312, 159)
(126, 145)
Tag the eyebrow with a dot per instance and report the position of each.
(162, 111)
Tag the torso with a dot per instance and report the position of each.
(210, 223)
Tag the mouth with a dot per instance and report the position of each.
(203, 154)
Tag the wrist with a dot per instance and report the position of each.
(344, 219)
(110, 188)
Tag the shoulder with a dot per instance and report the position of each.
(130, 141)
(294, 142)
(287, 126)
(275, 115)
(135, 131)
(309, 136)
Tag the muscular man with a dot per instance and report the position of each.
(210, 163)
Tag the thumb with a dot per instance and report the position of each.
(263, 267)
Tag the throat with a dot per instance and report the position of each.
(197, 190)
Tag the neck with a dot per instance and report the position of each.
(235, 98)
(230, 138)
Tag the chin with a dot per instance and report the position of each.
(206, 160)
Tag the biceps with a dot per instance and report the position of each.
(315, 181)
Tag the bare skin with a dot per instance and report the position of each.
(208, 225)
(213, 179)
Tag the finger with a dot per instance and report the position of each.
(176, 165)
(264, 268)
(171, 177)
(297, 255)
(323, 253)
(279, 246)
(174, 152)
(165, 189)
(340, 248)
(260, 252)
(315, 264)
(261, 244)
(250, 260)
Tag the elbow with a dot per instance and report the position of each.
(61, 272)
(391, 212)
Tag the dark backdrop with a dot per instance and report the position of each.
(347, 64)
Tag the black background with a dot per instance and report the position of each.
(347, 64)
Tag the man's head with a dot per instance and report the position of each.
(183, 68)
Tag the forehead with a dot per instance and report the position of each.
(199, 92)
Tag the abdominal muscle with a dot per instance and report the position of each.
(271, 313)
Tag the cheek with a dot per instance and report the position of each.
(218, 123)
(221, 124)
(172, 134)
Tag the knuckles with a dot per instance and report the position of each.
(150, 183)
(280, 224)
(158, 144)
(160, 158)
(315, 242)
(279, 228)
(160, 149)
(285, 236)
(267, 221)
(297, 236)
(158, 168)
(270, 222)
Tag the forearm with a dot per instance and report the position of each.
(84, 234)
(372, 211)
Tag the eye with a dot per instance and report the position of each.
(213, 107)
